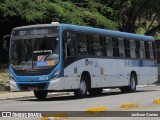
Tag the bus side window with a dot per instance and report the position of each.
(154, 49)
(97, 48)
(132, 48)
(127, 48)
(83, 44)
(121, 47)
(70, 47)
(137, 50)
(142, 50)
(115, 47)
(68, 44)
(151, 50)
(147, 49)
(108, 46)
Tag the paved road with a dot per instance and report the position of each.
(111, 100)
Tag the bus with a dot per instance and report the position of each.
(63, 57)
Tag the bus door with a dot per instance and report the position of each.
(69, 58)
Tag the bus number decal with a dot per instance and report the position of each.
(44, 77)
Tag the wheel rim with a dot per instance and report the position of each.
(133, 83)
(83, 86)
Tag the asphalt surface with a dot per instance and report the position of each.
(112, 100)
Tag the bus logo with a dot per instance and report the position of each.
(87, 62)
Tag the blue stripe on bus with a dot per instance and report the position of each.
(140, 63)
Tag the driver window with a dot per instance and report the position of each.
(68, 44)
(70, 48)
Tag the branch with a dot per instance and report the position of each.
(140, 9)
(151, 22)
(153, 30)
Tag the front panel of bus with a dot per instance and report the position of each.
(35, 58)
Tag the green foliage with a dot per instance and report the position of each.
(26, 9)
(141, 16)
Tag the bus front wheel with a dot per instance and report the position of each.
(83, 88)
(40, 94)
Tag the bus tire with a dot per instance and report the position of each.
(82, 91)
(95, 91)
(132, 85)
(40, 94)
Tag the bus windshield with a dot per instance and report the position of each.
(34, 53)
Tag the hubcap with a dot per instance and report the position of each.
(133, 83)
(83, 86)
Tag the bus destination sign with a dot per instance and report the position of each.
(36, 31)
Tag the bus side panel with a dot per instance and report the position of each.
(144, 76)
(153, 75)
(97, 72)
(106, 71)
(73, 73)
(124, 70)
(148, 72)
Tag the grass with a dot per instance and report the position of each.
(4, 80)
(3, 92)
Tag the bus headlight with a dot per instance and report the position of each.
(11, 77)
(55, 76)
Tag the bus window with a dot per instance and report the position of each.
(108, 46)
(154, 50)
(137, 49)
(121, 47)
(151, 50)
(69, 45)
(127, 48)
(83, 44)
(70, 48)
(115, 47)
(132, 48)
(147, 49)
(142, 50)
(97, 48)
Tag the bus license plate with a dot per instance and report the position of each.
(31, 88)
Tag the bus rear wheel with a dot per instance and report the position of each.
(132, 85)
(82, 91)
(40, 94)
(95, 91)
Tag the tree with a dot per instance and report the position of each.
(135, 16)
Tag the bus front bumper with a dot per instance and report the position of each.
(56, 84)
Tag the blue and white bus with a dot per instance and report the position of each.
(63, 57)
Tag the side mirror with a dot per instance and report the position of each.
(6, 42)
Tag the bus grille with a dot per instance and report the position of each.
(39, 86)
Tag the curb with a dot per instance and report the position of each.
(151, 85)
(32, 96)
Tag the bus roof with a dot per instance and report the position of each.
(107, 32)
(92, 30)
